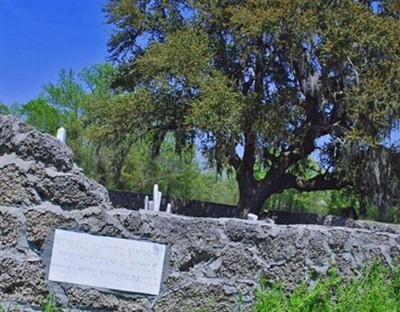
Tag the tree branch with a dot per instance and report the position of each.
(327, 181)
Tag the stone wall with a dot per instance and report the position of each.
(210, 261)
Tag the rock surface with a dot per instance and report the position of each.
(210, 262)
(37, 168)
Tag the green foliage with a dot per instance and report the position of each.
(39, 113)
(13, 109)
(66, 103)
(375, 289)
(178, 175)
(310, 202)
(4, 109)
(67, 94)
(98, 78)
(50, 305)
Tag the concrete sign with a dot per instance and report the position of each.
(107, 262)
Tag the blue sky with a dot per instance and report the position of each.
(40, 37)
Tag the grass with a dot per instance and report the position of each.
(376, 290)
(50, 305)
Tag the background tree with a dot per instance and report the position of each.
(65, 103)
(262, 83)
(376, 177)
(75, 97)
(4, 109)
(42, 115)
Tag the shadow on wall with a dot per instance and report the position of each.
(194, 208)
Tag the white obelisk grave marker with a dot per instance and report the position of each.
(107, 262)
(155, 198)
(62, 135)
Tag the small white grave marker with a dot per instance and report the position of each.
(168, 208)
(108, 262)
(158, 202)
(252, 216)
(62, 135)
(146, 202)
(155, 197)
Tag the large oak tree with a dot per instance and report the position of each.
(262, 83)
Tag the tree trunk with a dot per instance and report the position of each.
(252, 196)
(119, 161)
(383, 208)
(117, 175)
(253, 193)
(363, 208)
(250, 202)
(383, 213)
(101, 171)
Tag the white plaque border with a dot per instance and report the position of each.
(48, 251)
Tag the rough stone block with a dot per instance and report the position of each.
(102, 301)
(15, 187)
(41, 222)
(22, 281)
(9, 227)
